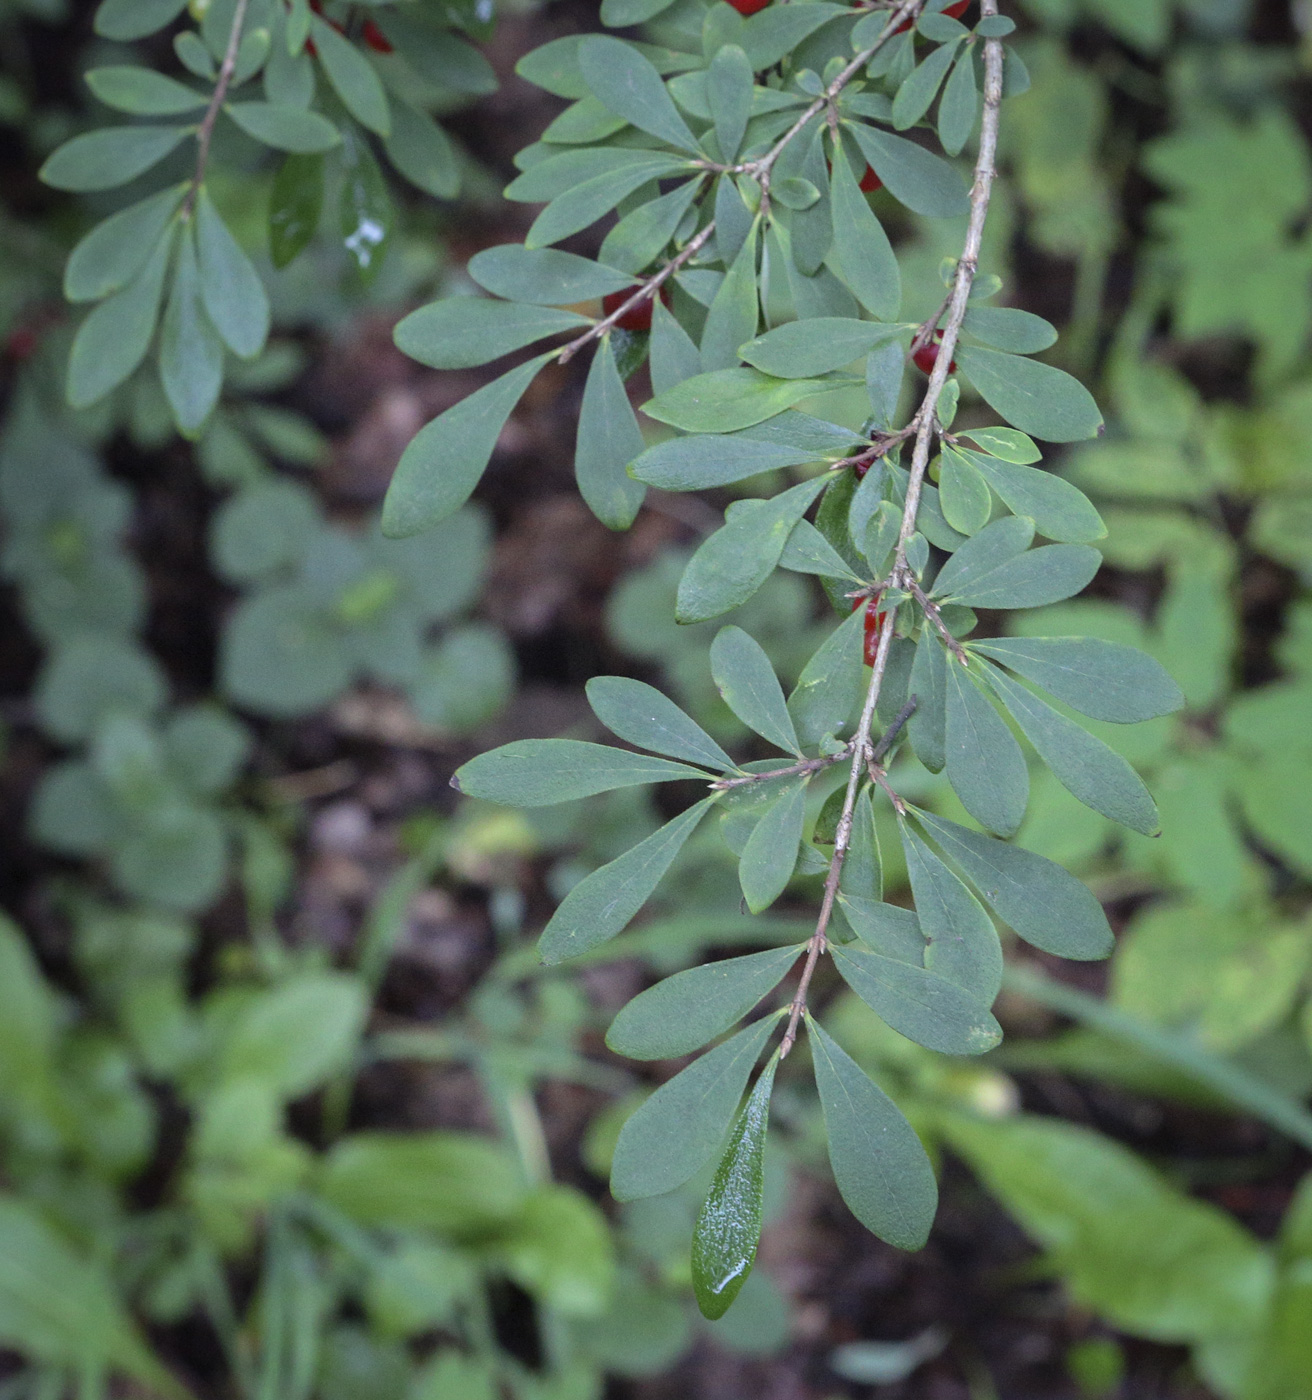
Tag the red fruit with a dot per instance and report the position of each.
(870, 182)
(952, 12)
(749, 7)
(637, 318)
(874, 622)
(927, 357)
(22, 343)
(375, 38)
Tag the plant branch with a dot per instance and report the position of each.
(889, 736)
(967, 265)
(807, 766)
(931, 611)
(205, 131)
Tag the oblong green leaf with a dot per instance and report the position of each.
(746, 680)
(919, 1004)
(419, 148)
(825, 697)
(627, 83)
(112, 254)
(583, 204)
(126, 20)
(774, 32)
(461, 332)
(1104, 680)
(603, 903)
(977, 557)
(704, 460)
(295, 206)
(642, 233)
(1097, 775)
(684, 1012)
(922, 181)
(1030, 580)
(539, 772)
(233, 294)
(352, 77)
(963, 493)
(284, 127)
(801, 349)
(641, 715)
(808, 552)
(729, 87)
(728, 1227)
(929, 684)
(733, 315)
(862, 876)
(143, 92)
(103, 160)
(543, 276)
(672, 1136)
(446, 459)
(1046, 905)
(190, 352)
(1059, 510)
(770, 856)
(985, 764)
(962, 944)
(609, 439)
(114, 338)
(728, 399)
(880, 1167)
(1006, 328)
(918, 90)
(959, 109)
(1042, 401)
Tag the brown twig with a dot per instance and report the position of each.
(931, 611)
(901, 576)
(205, 132)
(889, 736)
(806, 766)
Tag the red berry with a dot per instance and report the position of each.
(927, 357)
(749, 7)
(870, 182)
(953, 12)
(874, 622)
(375, 38)
(637, 318)
(22, 343)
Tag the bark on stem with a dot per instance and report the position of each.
(205, 131)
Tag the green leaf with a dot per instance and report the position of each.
(1036, 398)
(962, 942)
(811, 232)
(728, 1227)
(105, 159)
(1104, 680)
(825, 695)
(862, 876)
(603, 903)
(126, 20)
(728, 399)
(641, 715)
(865, 257)
(643, 232)
(746, 679)
(1006, 443)
(928, 723)
(446, 459)
(963, 493)
(285, 128)
(959, 109)
(143, 92)
(729, 85)
(1005, 328)
(886, 928)
(112, 254)
(733, 314)
(920, 1005)
(422, 151)
(732, 564)
(295, 206)
(672, 1136)
(364, 206)
(608, 440)
(879, 1165)
(434, 52)
(917, 92)
(584, 203)
(627, 83)
(977, 558)
(804, 349)
(672, 355)
(1046, 905)
(543, 276)
(230, 287)
(114, 338)
(705, 460)
(620, 14)
(461, 332)
(190, 352)
(768, 36)
(352, 77)
(984, 762)
(1059, 510)
(539, 772)
(922, 181)
(808, 552)
(770, 856)
(1029, 580)
(1084, 766)
(684, 1012)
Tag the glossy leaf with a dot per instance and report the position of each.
(684, 1012)
(1006, 328)
(1046, 905)
(1059, 510)
(364, 206)
(879, 1165)
(539, 772)
(977, 558)
(963, 493)
(985, 764)
(961, 942)
(1030, 580)
(728, 399)
(672, 1136)
(105, 159)
(608, 440)
(645, 717)
(446, 460)
(746, 679)
(770, 856)
(728, 1227)
(461, 332)
(295, 206)
(1006, 443)
(672, 354)
(802, 349)
(233, 294)
(603, 903)
(1036, 398)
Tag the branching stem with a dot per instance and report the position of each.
(901, 576)
(205, 132)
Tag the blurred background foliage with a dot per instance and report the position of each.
(288, 1109)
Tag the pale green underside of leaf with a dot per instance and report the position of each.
(539, 772)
